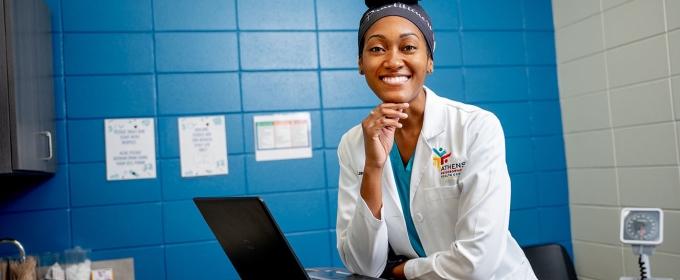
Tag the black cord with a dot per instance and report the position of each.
(643, 274)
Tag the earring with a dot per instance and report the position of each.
(361, 71)
(430, 71)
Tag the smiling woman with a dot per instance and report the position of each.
(424, 190)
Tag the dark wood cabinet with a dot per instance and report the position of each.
(27, 125)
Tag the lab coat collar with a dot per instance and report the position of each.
(435, 115)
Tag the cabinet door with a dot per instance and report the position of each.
(30, 85)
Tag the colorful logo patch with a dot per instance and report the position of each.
(446, 168)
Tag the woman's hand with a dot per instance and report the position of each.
(378, 129)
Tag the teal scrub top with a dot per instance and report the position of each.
(402, 176)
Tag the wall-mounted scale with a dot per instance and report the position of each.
(643, 229)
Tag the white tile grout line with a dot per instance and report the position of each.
(611, 125)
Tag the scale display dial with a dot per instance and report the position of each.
(642, 226)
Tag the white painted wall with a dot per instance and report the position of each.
(619, 79)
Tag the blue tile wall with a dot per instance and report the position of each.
(278, 50)
(175, 187)
(110, 96)
(204, 260)
(495, 84)
(346, 89)
(493, 48)
(125, 225)
(312, 248)
(167, 59)
(339, 15)
(269, 91)
(108, 53)
(196, 51)
(107, 15)
(280, 15)
(89, 187)
(182, 222)
(198, 93)
(491, 14)
(338, 49)
(194, 15)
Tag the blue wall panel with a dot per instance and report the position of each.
(182, 222)
(278, 50)
(280, 15)
(493, 48)
(495, 84)
(107, 15)
(515, 117)
(62, 142)
(312, 214)
(194, 15)
(447, 83)
(346, 88)
(339, 15)
(85, 141)
(204, 260)
(523, 191)
(519, 155)
(444, 15)
(552, 188)
(168, 59)
(110, 96)
(176, 187)
(53, 194)
(491, 14)
(108, 53)
(312, 249)
(338, 122)
(286, 175)
(554, 223)
(549, 153)
(546, 118)
(338, 49)
(543, 83)
(89, 187)
(332, 169)
(447, 52)
(30, 229)
(537, 15)
(125, 225)
(198, 93)
(540, 48)
(196, 51)
(523, 226)
(281, 91)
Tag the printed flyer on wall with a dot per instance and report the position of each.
(283, 136)
(203, 146)
(130, 149)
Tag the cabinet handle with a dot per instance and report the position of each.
(49, 142)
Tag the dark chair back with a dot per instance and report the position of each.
(550, 262)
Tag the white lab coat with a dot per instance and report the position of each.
(461, 219)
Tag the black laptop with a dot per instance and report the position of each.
(252, 240)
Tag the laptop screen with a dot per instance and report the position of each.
(250, 237)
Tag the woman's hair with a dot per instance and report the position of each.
(408, 9)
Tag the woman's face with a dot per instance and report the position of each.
(395, 59)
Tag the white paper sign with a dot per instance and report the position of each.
(283, 136)
(130, 149)
(203, 146)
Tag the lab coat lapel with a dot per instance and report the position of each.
(434, 122)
